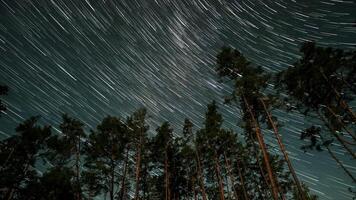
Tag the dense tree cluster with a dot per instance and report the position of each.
(122, 159)
(321, 84)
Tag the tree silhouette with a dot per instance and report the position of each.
(105, 152)
(65, 149)
(249, 82)
(19, 155)
(325, 91)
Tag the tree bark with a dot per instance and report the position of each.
(217, 171)
(343, 125)
(77, 170)
(338, 96)
(340, 164)
(202, 187)
(138, 168)
(264, 152)
(241, 180)
(166, 183)
(228, 167)
(331, 129)
(123, 181)
(281, 146)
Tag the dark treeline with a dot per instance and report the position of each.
(121, 160)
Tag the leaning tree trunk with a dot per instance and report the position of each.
(77, 170)
(241, 180)
(336, 159)
(340, 164)
(217, 171)
(112, 181)
(123, 181)
(338, 96)
(264, 152)
(229, 172)
(138, 168)
(343, 125)
(199, 170)
(263, 175)
(166, 176)
(286, 158)
(331, 129)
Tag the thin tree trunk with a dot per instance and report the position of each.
(202, 187)
(340, 164)
(112, 171)
(241, 180)
(331, 129)
(342, 102)
(285, 154)
(77, 170)
(262, 172)
(123, 181)
(343, 125)
(112, 182)
(264, 152)
(336, 159)
(138, 168)
(10, 194)
(194, 190)
(166, 183)
(258, 163)
(217, 171)
(229, 170)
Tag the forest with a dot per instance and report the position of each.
(120, 160)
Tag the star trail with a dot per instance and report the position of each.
(93, 58)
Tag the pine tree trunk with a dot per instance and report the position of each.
(217, 171)
(343, 125)
(123, 181)
(229, 171)
(263, 175)
(281, 146)
(112, 171)
(331, 129)
(10, 193)
(138, 169)
(338, 96)
(202, 187)
(336, 159)
(77, 170)
(264, 152)
(258, 162)
(166, 183)
(340, 164)
(241, 180)
(112, 183)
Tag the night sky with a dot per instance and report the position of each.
(93, 58)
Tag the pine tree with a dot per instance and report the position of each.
(65, 149)
(19, 155)
(249, 82)
(324, 91)
(163, 151)
(105, 152)
(137, 128)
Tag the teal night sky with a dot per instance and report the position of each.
(93, 58)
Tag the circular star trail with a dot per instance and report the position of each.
(92, 58)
